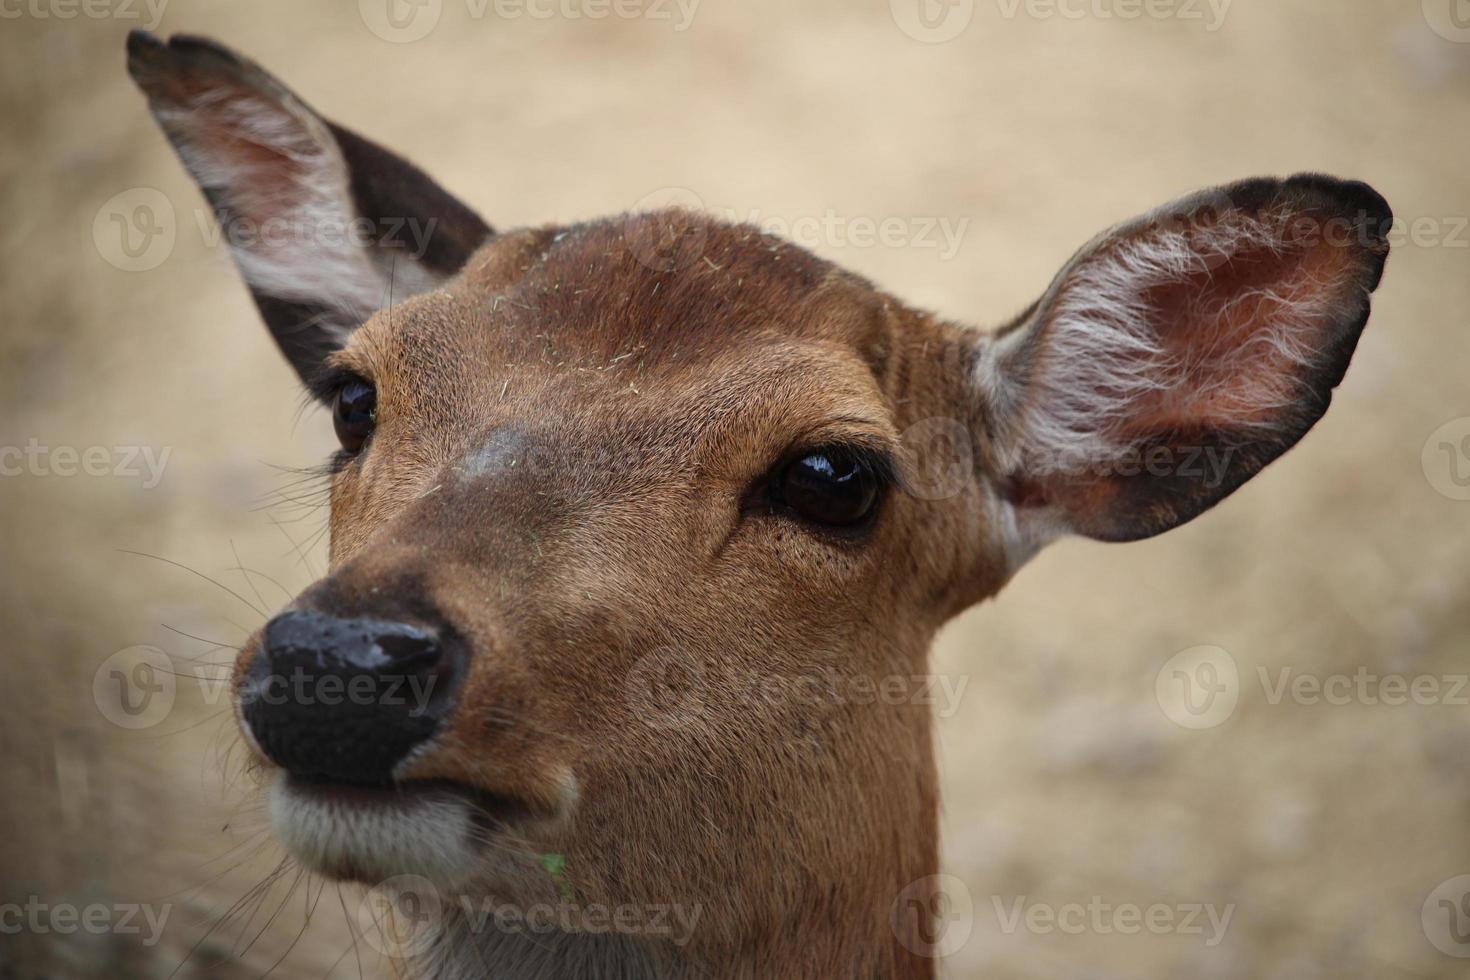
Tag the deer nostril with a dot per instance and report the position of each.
(364, 644)
(345, 699)
(408, 651)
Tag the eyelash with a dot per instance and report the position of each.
(338, 462)
(325, 385)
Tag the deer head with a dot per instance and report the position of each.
(638, 517)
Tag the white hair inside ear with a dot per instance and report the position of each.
(1106, 356)
(293, 229)
(1217, 325)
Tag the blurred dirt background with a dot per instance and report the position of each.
(1326, 827)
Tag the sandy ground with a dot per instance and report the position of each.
(1320, 829)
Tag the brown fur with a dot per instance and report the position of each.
(615, 527)
(572, 438)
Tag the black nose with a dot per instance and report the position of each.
(345, 700)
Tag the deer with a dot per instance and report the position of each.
(636, 509)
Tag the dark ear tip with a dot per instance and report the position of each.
(170, 72)
(140, 41)
(1352, 199)
(149, 55)
(197, 47)
(1366, 211)
(1353, 196)
(143, 51)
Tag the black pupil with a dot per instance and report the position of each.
(831, 487)
(354, 414)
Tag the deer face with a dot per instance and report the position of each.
(641, 528)
(647, 516)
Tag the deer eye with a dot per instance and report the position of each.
(355, 413)
(835, 487)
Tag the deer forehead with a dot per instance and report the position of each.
(569, 338)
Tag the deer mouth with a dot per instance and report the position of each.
(371, 833)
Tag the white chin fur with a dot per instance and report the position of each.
(429, 834)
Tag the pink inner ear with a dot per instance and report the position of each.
(1241, 339)
(1218, 327)
(277, 173)
(271, 160)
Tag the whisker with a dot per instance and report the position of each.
(304, 559)
(265, 883)
(248, 580)
(306, 924)
(351, 931)
(295, 883)
(215, 582)
(272, 580)
(218, 644)
(189, 728)
(255, 838)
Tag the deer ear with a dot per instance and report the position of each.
(1177, 355)
(322, 223)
